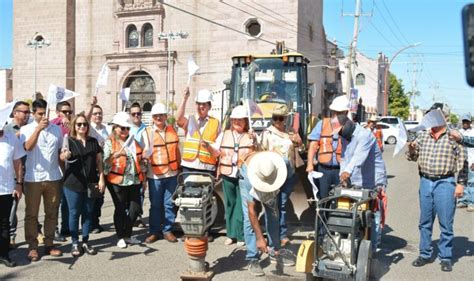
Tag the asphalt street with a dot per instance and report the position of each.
(165, 261)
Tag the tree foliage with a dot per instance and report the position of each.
(453, 118)
(398, 100)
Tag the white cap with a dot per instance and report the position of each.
(204, 96)
(340, 103)
(158, 108)
(239, 112)
(122, 119)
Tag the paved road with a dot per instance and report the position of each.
(165, 261)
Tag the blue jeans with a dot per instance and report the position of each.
(272, 217)
(64, 215)
(376, 229)
(437, 198)
(79, 205)
(160, 192)
(468, 197)
(283, 197)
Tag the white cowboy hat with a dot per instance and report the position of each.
(267, 171)
(373, 118)
(239, 112)
(340, 103)
(204, 96)
(158, 108)
(122, 119)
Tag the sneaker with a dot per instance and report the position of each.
(255, 269)
(228, 241)
(419, 262)
(132, 241)
(470, 208)
(76, 250)
(461, 205)
(40, 238)
(58, 237)
(240, 243)
(284, 260)
(122, 244)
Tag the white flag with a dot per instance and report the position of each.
(5, 112)
(192, 68)
(434, 118)
(311, 177)
(59, 94)
(65, 143)
(192, 125)
(401, 140)
(103, 76)
(125, 94)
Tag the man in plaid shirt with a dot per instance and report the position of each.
(439, 159)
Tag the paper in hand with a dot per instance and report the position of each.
(192, 68)
(65, 146)
(311, 177)
(401, 140)
(434, 118)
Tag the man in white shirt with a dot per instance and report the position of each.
(467, 201)
(100, 132)
(42, 142)
(10, 164)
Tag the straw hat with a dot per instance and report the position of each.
(122, 119)
(267, 171)
(280, 110)
(373, 118)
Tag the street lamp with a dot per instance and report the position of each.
(387, 67)
(169, 37)
(36, 42)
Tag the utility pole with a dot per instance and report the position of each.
(353, 47)
(415, 69)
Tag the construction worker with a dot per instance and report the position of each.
(161, 147)
(372, 126)
(201, 146)
(328, 148)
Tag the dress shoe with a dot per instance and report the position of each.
(33, 255)
(7, 262)
(151, 239)
(446, 266)
(169, 236)
(52, 251)
(419, 262)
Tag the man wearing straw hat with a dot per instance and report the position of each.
(372, 126)
(263, 174)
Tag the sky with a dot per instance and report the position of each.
(436, 65)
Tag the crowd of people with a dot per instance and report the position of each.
(70, 161)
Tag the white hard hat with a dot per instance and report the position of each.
(158, 108)
(239, 112)
(340, 103)
(204, 96)
(122, 119)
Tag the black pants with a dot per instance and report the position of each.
(97, 212)
(127, 207)
(6, 202)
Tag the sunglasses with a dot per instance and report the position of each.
(135, 114)
(97, 113)
(124, 128)
(80, 124)
(159, 116)
(278, 118)
(69, 112)
(24, 112)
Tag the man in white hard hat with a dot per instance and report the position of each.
(362, 164)
(203, 135)
(162, 150)
(201, 148)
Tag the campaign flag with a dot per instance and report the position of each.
(58, 94)
(434, 118)
(125, 94)
(192, 68)
(103, 76)
(5, 112)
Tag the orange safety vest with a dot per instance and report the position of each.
(325, 144)
(191, 147)
(378, 137)
(117, 171)
(165, 152)
(229, 147)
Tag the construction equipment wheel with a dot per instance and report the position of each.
(364, 259)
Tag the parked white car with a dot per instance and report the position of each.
(389, 132)
(411, 124)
